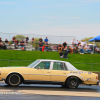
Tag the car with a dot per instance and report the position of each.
(44, 71)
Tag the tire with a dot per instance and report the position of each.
(72, 82)
(6, 82)
(14, 80)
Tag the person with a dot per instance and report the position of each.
(40, 46)
(26, 40)
(47, 65)
(13, 39)
(97, 49)
(77, 42)
(82, 43)
(72, 42)
(88, 49)
(60, 51)
(64, 44)
(32, 40)
(46, 46)
(22, 45)
(6, 42)
(81, 49)
(70, 49)
(1, 44)
(16, 43)
(65, 50)
(40, 40)
(46, 39)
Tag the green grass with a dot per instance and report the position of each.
(79, 61)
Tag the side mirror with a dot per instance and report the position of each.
(38, 68)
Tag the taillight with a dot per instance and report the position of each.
(96, 77)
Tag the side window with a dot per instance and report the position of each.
(65, 67)
(43, 65)
(59, 66)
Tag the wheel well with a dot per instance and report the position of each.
(80, 81)
(22, 79)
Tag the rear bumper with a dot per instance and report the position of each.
(0, 79)
(97, 82)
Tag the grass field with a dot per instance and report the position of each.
(82, 62)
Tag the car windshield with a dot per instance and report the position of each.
(33, 64)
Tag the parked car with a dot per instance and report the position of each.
(44, 71)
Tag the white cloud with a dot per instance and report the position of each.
(4, 3)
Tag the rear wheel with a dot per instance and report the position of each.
(14, 80)
(6, 82)
(72, 82)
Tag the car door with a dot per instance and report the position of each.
(59, 72)
(41, 72)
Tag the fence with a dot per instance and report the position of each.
(80, 66)
(52, 38)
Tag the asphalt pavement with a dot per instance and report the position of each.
(48, 92)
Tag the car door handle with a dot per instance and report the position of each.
(64, 72)
(48, 72)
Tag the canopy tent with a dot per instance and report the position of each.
(95, 39)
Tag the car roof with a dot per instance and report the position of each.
(69, 66)
(50, 60)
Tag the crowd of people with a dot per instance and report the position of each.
(41, 44)
(76, 47)
(63, 49)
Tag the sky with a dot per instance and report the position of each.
(76, 18)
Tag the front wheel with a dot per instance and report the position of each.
(14, 80)
(72, 82)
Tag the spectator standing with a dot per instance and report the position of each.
(46, 40)
(22, 45)
(65, 50)
(64, 44)
(40, 40)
